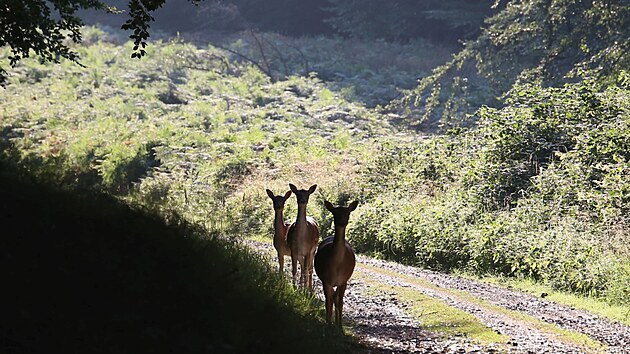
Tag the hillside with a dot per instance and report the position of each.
(197, 134)
(536, 189)
(89, 275)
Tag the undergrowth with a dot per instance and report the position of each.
(539, 188)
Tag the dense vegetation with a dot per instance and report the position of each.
(551, 42)
(46, 28)
(538, 189)
(402, 20)
(398, 20)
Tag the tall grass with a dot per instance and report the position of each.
(194, 135)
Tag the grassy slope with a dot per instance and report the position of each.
(538, 189)
(191, 133)
(85, 274)
(195, 133)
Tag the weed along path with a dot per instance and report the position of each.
(392, 308)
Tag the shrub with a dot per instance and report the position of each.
(539, 188)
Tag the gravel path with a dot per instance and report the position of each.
(615, 335)
(382, 322)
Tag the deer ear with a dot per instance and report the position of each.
(287, 195)
(329, 206)
(312, 189)
(270, 193)
(354, 205)
(293, 187)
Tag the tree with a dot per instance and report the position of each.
(42, 27)
(439, 20)
(550, 42)
(557, 38)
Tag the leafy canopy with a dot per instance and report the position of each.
(440, 20)
(43, 27)
(550, 42)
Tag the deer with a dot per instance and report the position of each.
(302, 237)
(335, 261)
(280, 228)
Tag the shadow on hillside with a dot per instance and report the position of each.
(84, 274)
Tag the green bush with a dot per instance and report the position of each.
(539, 189)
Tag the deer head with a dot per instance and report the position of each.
(302, 194)
(341, 215)
(278, 200)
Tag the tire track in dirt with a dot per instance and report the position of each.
(524, 337)
(382, 322)
(613, 334)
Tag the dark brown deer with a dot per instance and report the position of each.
(280, 227)
(335, 261)
(303, 236)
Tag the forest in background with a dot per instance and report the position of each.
(400, 20)
(525, 172)
(495, 44)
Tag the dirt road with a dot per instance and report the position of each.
(381, 310)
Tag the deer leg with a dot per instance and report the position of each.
(303, 272)
(328, 295)
(309, 272)
(281, 262)
(294, 262)
(335, 302)
(341, 289)
(312, 268)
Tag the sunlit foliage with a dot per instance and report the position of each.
(532, 41)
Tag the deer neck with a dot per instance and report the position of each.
(278, 224)
(339, 243)
(300, 221)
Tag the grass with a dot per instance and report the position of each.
(196, 135)
(84, 273)
(261, 238)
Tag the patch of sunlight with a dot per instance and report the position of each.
(259, 237)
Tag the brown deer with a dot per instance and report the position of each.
(303, 236)
(335, 261)
(280, 228)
